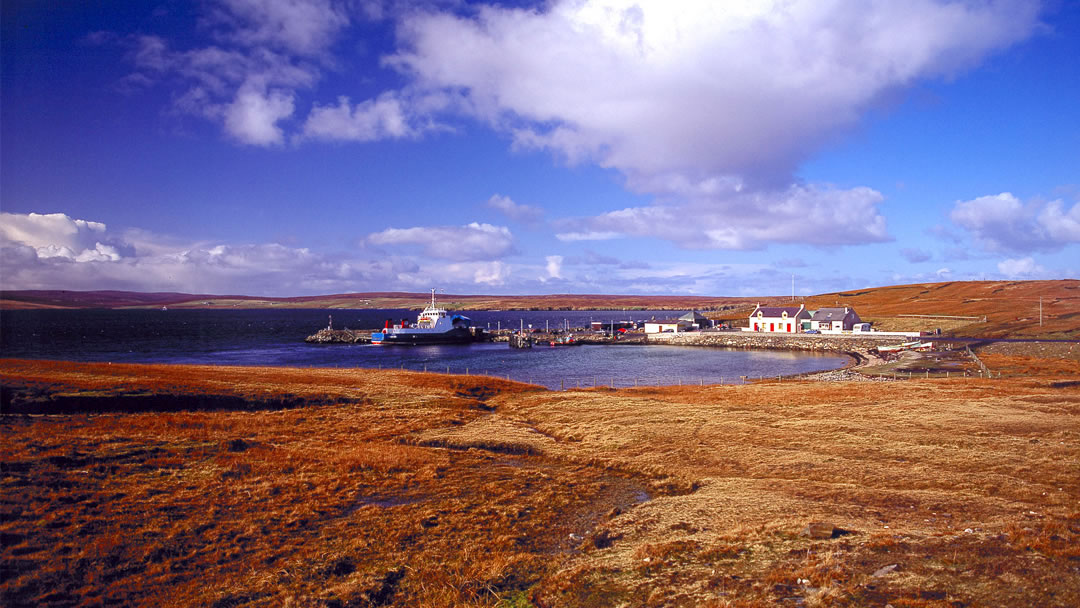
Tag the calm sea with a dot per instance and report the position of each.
(276, 338)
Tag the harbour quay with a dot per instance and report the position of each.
(777, 341)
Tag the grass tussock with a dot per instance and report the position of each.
(337, 488)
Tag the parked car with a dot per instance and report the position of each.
(811, 331)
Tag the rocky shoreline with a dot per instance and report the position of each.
(340, 336)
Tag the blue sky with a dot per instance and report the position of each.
(301, 147)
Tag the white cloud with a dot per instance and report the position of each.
(702, 89)
(472, 242)
(554, 266)
(813, 215)
(516, 211)
(702, 101)
(591, 235)
(304, 27)
(266, 51)
(1021, 268)
(100, 253)
(1061, 226)
(55, 251)
(381, 118)
(253, 116)
(1003, 223)
(56, 235)
(491, 273)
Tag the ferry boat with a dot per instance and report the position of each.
(434, 325)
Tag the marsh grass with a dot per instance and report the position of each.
(338, 488)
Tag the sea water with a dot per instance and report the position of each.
(275, 337)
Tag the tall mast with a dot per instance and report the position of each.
(433, 297)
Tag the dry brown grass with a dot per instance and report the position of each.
(338, 487)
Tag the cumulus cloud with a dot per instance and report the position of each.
(750, 219)
(554, 266)
(491, 273)
(702, 101)
(1021, 268)
(304, 27)
(699, 89)
(56, 235)
(264, 52)
(471, 242)
(253, 116)
(381, 118)
(516, 211)
(1002, 222)
(56, 251)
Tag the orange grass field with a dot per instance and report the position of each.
(219, 486)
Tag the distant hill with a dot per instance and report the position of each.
(92, 299)
(1001, 308)
(985, 308)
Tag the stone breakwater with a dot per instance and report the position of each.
(816, 342)
(339, 336)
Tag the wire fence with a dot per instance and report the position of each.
(568, 382)
(576, 382)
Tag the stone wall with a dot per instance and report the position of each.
(743, 339)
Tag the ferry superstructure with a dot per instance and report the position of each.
(434, 325)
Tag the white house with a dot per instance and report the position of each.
(834, 319)
(669, 325)
(786, 319)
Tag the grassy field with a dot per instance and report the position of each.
(180, 485)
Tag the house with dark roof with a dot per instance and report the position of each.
(696, 321)
(786, 319)
(834, 319)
